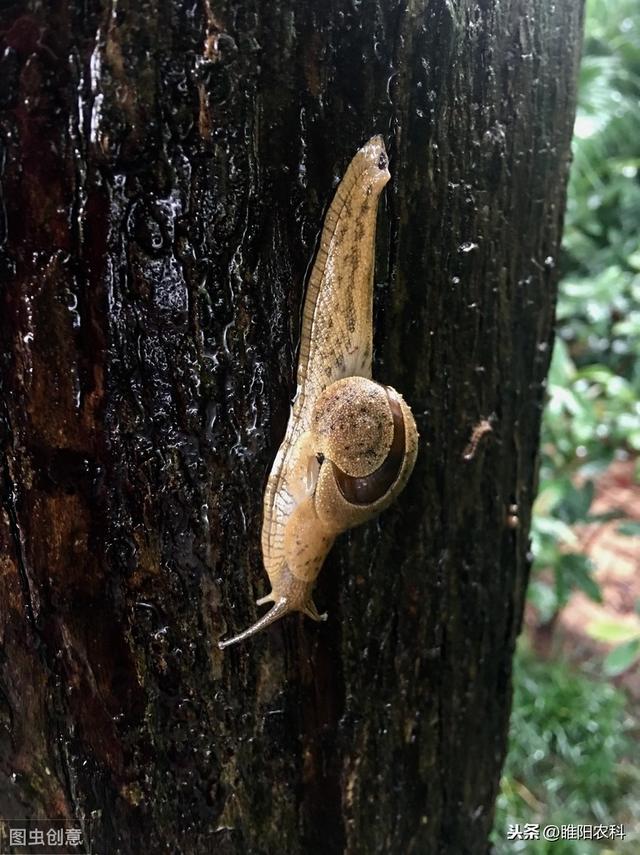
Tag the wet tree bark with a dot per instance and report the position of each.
(166, 168)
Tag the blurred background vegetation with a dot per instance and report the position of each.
(573, 752)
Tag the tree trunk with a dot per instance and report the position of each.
(166, 170)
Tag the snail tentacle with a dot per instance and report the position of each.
(310, 610)
(278, 610)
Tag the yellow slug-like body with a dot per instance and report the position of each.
(351, 443)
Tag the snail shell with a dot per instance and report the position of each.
(351, 443)
(367, 436)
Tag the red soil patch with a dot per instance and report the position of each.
(617, 559)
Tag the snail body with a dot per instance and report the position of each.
(351, 442)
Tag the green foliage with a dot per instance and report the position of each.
(568, 761)
(593, 411)
(625, 635)
(622, 657)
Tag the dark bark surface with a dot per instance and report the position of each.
(166, 167)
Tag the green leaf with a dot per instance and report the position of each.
(611, 631)
(631, 529)
(543, 598)
(574, 505)
(555, 529)
(596, 373)
(621, 658)
(606, 516)
(578, 570)
(562, 368)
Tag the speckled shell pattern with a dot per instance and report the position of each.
(332, 508)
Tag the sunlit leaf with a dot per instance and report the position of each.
(611, 631)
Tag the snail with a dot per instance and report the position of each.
(351, 443)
